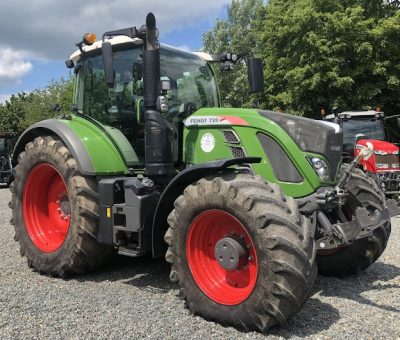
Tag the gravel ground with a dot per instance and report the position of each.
(133, 298)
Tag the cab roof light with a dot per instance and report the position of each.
(89, 39)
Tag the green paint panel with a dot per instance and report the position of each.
(104, 155)
(247, 128)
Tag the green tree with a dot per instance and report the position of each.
(330, 53)
(13, 112)
(234, 35)
(38, 106)
(23, 110)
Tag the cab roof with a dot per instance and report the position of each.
(122, 39)
(355, 114)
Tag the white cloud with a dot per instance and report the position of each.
(4, 97)
(13, 66)
(49, 29)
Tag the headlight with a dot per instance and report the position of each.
(320, 167)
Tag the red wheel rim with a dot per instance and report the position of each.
(227, 287)
(46, 207)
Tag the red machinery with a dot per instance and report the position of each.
(362, 127)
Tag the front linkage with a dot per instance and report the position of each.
(343, 232)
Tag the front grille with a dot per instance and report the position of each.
(238, 152)
(385, 162)
(389, 182)
(231, 137)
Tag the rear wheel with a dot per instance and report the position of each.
(55, 211)
(241, 252)
(363, 192)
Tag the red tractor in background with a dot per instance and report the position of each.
(363, 127)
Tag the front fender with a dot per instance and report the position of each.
(176, 187)
(92, 149)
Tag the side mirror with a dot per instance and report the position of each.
(106, 50)
(255, 73)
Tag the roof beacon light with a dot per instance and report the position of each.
(89, 38)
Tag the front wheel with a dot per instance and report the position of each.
(361, 253)
(240, 251)
(55, 211)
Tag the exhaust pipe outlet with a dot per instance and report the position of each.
(158, 131)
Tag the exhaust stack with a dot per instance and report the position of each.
(159, 132)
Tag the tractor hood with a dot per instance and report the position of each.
(380, 147)
(384, 159)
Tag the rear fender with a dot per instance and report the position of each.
(92, 149)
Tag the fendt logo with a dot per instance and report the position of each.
(215, 120)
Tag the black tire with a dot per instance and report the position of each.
(80, 252)
(363, 192)
(280, 235)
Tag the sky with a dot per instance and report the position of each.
(37, 36)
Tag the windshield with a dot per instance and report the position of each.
(191, 80)
(371, 128)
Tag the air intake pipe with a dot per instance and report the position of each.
(158, 131)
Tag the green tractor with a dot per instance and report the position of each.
(242, 203)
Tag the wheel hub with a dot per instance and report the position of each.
(222, 257)
(64, 207)
(230, 254)
(46, 207)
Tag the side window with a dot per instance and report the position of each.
(188, 90)
(95, 100)
(112, 106)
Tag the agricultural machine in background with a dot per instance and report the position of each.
(243, 203)
(362, 127)
(7, 142)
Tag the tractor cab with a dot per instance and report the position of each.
(358, 125)
(188, 84)
(7, 142)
